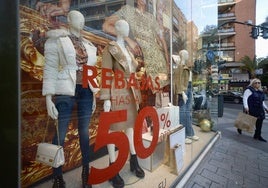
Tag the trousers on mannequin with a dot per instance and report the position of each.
(186, 112)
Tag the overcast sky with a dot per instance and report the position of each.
(205, 13)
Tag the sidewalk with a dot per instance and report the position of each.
(235, 161)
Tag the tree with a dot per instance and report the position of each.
(250, 66)
(263, 64)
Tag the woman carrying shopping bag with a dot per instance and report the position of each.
(253, 103)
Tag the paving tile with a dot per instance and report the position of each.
(233, 184)
(251, 184)
(197, 186)
(230, 176)
(219, 164)
(210, 167)
(256, 171)
(216, 185)
(214, 177)
(264, 166)
(202, 181)
(264, 181)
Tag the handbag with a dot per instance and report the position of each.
(245, 122)
(161, 99)
(50, 154)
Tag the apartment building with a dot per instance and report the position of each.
(231, 41)
(235, 41)
(179, 29)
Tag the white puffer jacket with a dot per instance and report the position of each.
(60, 63)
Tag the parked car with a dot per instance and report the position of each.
(232, 96)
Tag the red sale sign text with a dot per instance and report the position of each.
(119, 139)
(90, 73)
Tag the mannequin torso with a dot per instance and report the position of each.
(117, 57)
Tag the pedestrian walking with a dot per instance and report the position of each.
(253, 103)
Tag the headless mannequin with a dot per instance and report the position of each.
(129, 66)
(60, 51)
(122, 30)
(185, 109)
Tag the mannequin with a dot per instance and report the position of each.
(69, 51)
(146, 39)
(182, 84)
(180, 79)
(116, 56)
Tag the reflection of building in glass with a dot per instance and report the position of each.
(179, 30)
(192, 40)
(232, 41)
(96, 11)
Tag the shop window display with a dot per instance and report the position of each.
(112, 152)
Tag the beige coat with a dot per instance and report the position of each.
(124, 98)
(180, 81)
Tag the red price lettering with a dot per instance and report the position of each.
(141, 151)
(120, 140)
(103, 138)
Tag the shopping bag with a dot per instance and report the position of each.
(161, 99)
(245, 122)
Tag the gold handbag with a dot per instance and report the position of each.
(50, 154)
(245, 122)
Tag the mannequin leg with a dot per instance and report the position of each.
(186, 117)
(117, 181)
(130, 135)
(134, 165)
(64, 105)
(111, 151)
(84, 99)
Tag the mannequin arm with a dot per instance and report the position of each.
(107, 105)
(51, 108)
(184, 97)
(94, 89)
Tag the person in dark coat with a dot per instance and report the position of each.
(253, 103)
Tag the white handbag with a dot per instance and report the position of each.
(50, 154)
(161, 99)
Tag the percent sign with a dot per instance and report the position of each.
(164, 118)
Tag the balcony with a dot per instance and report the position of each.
(226, 2)
(226, 16)
(226, 32)
(223, 46)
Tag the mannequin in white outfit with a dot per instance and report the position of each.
(63, 87)
(124, 61)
